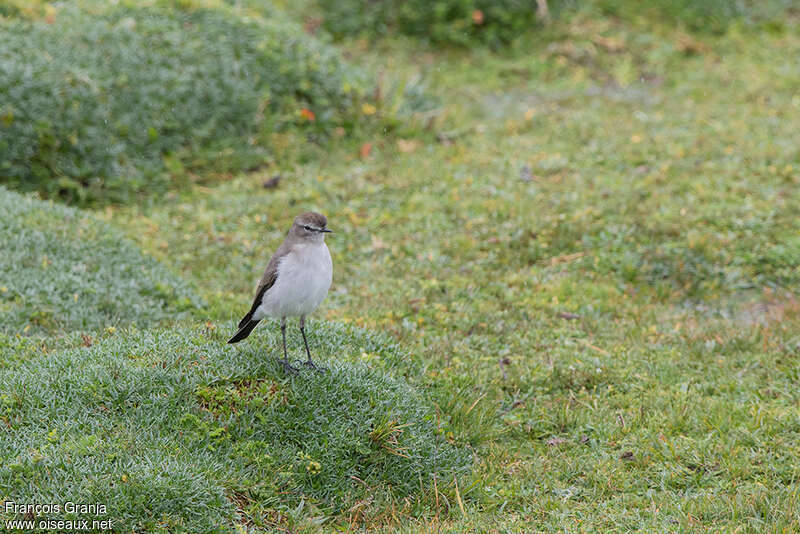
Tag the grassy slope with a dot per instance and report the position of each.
(219, 90)
(174, 429)
(63, 270)
(644, 181)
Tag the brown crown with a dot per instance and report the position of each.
(312, 219)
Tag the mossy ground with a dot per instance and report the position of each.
(175, 429)
(63, 270)
(114, 102)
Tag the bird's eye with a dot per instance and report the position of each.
(307, 227)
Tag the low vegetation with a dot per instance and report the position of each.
(466, 23)
(177, 430)
(594, 254)
(587, 246)
(62, 270)
(106, 104)
(454, 22)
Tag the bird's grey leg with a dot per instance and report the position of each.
(285, 362)
(308, 362)
(305, 341)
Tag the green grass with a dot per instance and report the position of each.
(445, 22)
(63, 271)
(594, 252)
(176, 429)
(589, 255)
(89, 117)
(498, 23)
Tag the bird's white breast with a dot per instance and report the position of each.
(304, 277)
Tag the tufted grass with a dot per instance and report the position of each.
(111, 103)
(175, 429)
(63, 271)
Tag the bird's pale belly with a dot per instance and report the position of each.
(302, 283)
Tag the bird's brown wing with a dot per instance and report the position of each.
(267, 281)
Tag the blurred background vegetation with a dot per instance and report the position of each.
(106, 101)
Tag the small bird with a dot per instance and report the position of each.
(296, 280)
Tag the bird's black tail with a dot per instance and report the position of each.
(244, 330)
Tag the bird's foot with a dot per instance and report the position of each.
(288, 368)
(312, 365)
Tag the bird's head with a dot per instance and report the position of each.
(310, 226)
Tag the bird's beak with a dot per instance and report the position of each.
(326, 231)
